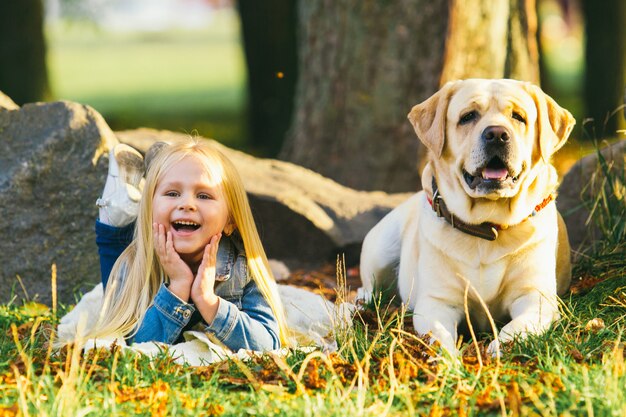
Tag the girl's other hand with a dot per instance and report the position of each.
(203, 288)
(181, 277)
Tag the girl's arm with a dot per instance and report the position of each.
(165, 319)
(253, 327)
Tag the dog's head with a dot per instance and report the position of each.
(486, 137)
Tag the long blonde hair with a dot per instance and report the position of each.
(137, 274)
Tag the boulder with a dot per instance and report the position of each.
(50, 178)
(582, 184)
(302, 216)
(52, 174)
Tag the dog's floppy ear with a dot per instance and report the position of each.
(554, 123)
(429, 119)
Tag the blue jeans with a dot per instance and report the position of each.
(111, 243)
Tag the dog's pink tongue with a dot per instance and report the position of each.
(495, 173)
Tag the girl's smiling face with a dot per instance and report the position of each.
(191, 205)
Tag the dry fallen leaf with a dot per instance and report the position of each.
(595, 325)
(9, 411)
(576, 355)
(584, 284)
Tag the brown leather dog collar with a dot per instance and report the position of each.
(486, 230)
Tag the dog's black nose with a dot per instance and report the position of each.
(496, 134)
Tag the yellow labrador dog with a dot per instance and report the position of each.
(484, 232)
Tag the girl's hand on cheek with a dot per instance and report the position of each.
(203, 288)
(175, 268)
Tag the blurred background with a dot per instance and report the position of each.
(301, 79)
(167, 64)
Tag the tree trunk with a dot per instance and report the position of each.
(605, 57)
(23, 73)
(269, 38)
(492, 39)
(363, 65)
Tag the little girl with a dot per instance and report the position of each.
(195, 260)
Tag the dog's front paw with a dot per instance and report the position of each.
(363, 296)
(496, 347)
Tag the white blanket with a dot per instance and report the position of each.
(313, 319)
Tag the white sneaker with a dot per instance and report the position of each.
(119, 203)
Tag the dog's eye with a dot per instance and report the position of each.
(518, 117)
(468, 117)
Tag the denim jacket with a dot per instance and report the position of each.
(244, 319)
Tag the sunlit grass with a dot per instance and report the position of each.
(381, 370)
(175, 80)
(576, 368)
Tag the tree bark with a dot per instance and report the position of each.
(363, 65)
(269, 38)
(492, 39)
(23, 71)
(605, 56)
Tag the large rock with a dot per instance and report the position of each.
(50, 177)
(302, 216)
(581, 186)
(51, 174)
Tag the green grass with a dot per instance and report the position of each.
(178, 80)
(381, 370)
(577, 368)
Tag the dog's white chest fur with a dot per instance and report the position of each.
(443, 256)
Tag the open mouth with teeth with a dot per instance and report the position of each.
(184, 225)
(495, 175)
